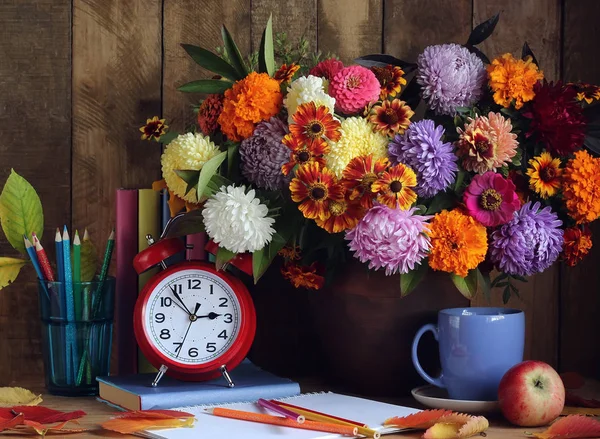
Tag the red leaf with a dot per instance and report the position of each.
(43, 430)
(423, 419)
(11, 423)
(43, 415)
(572, 427)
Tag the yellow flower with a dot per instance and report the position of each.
(153, 129)
(544, 175)
(513, 79)
(581, 187)
(358, 138)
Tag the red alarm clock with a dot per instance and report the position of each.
(191, 321)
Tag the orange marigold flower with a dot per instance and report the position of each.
(315, 188)
(302, 276)
(251, 100)
(302, 153)
(153, 129)
(577, 244)
(391, 79)
(286, 73)
(290, 252)
(458, 242)
(581, 187)
(513, 79)
(360, 174)
(343, 215)
(314, 124)
(391, 117)
(544, 175)
(586, 92)
(394, 187)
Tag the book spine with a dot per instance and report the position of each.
(126, 288)
(218, 396)
(148, 224)
(196, 243)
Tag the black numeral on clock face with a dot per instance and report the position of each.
(193, 353)
(178, 348)
(228, 318)
(223, 334)
(166, 301)
(211, 288)
(165, 334)
(160, 317)
(223, 303)
(193, 284)
(211, 347)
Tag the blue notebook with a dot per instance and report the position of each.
(134, 392)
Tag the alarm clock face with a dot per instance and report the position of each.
(192, 317)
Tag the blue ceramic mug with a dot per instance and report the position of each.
(477, 347)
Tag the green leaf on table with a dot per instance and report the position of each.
(223, 257)
(89, 260)
(208, 86)
(466, 285)
(266, 54)
(483, 30)
(167, 138)
(409, 281)
(20, 211)
(209, 169)
(262, 259)
(190, 177)
(233, 53)
(9, 270)
(211, 62)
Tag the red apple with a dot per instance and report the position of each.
(531, 394)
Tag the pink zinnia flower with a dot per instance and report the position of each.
(354, 88)
(327, 69)
(486, 143)
(491, 199)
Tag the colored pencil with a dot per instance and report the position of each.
(60, 272)
(281, 410)
(312, 415)
(283, 422)
(110, 245)
(69, 297)
(77, 274)
(43, 259)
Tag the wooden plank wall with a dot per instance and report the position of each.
(79, 77)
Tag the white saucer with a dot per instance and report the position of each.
(437, 398)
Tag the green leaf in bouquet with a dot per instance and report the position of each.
(223, 257)
(482, 56)
(460, 178)
(211, 62)
(89, 259)
(409, 281)
(190, 177)
(186, 224)
(466, 285)
(167, 138)
(528, 52)
(266, 55)
(20, 211)
(233, 53)
(215, 184)
(382, 60)
(441, 201)
(9, 270)
(207, 86)
(233, 160)
(504, 171)
(483, 30)
(421, 209)
(209, 169)
(516, 160)
(262, 259)
(412, 93)
(484, 284)
(506, 295)
(498, 279)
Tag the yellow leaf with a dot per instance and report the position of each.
(476, 425)
(442, 430)
(12, 396)
(9, 269)
(133, 425)
(20, 211)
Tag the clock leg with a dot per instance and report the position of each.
(227, 377)
(159, 375)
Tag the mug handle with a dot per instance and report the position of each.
(435, 381)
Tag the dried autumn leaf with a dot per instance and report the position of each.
(43, 430)
(457, 429)
(155, 414)
(442, 430)
(476, 425)
(421, 420)
(12, 396)
(43, 415)
(571, 427)
(11, 422)
(134, 425)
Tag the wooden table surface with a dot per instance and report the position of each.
(98, 412)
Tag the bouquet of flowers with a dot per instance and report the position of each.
(316, 162)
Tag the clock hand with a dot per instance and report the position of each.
(192, 320)
(178, 297)
(210, 315)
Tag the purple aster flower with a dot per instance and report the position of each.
(450, 77)
(529, 243)
(421, 147)
(263, 154)
(393, 239)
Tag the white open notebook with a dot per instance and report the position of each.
(372, 413)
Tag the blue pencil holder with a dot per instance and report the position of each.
(76, 335)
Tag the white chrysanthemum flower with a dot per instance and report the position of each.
(186, 152)
(307, 89)
(237, 220)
